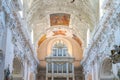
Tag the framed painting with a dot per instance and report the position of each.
(59, 19)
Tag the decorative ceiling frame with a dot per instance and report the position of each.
(81, 10)
(36, 6)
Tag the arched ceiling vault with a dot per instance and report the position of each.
(84, 14)
(79, 7)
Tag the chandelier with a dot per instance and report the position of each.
(115, 54)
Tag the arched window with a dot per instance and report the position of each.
(59, 49)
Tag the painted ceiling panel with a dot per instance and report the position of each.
(59, 19)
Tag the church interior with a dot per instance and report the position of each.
(59, 39)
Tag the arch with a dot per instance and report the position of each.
(59, 49)
(106, 69)
(74, 49)
(17, 69)
(53, 41)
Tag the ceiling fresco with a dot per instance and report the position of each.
(59, 19)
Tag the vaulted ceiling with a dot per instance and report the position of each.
(68, 20)
(84, 14)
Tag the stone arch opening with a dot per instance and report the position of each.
(106, 70)
(17, 73)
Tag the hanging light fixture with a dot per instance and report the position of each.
(115, 54)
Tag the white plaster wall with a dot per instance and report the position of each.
(9, 55)
(1, 45)
(105, 36)
(117, 36)
(1, 29)
(7, 16)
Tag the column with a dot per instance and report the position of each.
(47, 67)
(93, 76)
(67, 71)
(25, 69)
(97, 72)
(94, 69)
(57, 68)
(73, 71)
(46, 70)
(52, 70)
(73, 68)
(62, 51)
(32, 36)
(88, 36)
(62, 68)
(57, 52)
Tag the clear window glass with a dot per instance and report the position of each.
(64, 68)
(49, 67)
(55, 68)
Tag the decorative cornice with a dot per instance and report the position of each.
(17, 27)
(26, 39)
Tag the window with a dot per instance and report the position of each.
(64, 68)
(64, 52)
(59, 68)
(55, 68)
(54, 52)
(59, 49)
(70, 67)
(49, 67)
